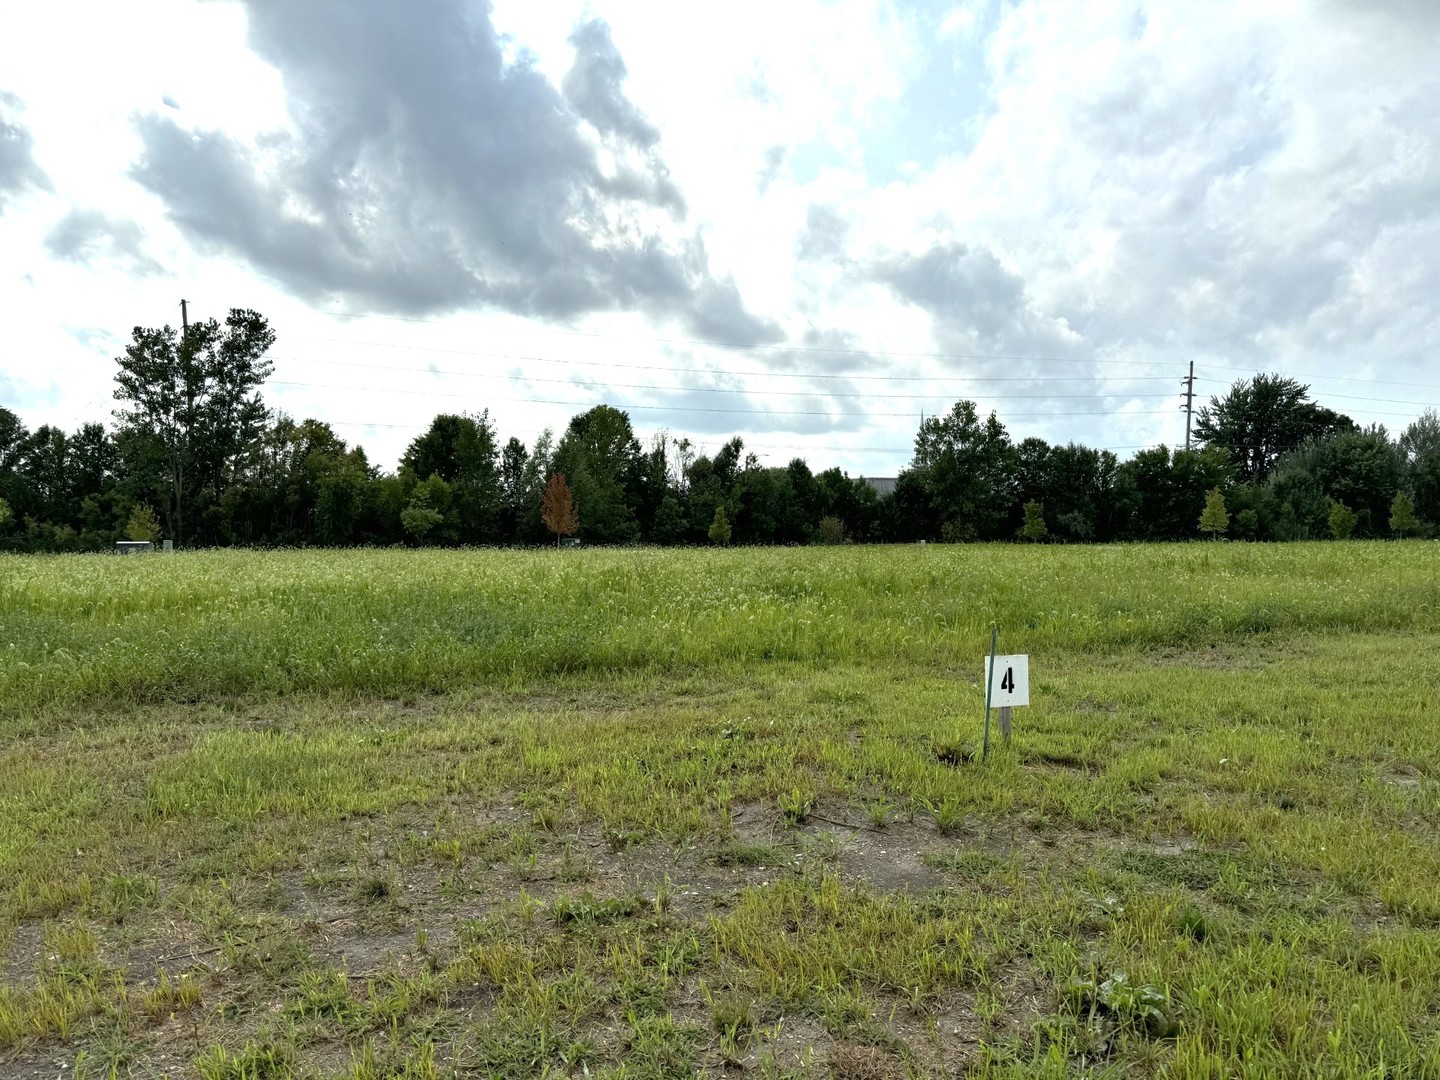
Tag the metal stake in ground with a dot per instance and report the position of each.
(985, 746)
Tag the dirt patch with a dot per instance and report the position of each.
(20, 961)
(1403, 775)
(856, 1061)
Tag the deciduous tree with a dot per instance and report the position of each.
(1262, 418)
(195, 396)
(558, 509)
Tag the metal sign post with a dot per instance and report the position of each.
(985, 746)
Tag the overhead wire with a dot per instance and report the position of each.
(869, 396)
(849, 350)
(681, 408)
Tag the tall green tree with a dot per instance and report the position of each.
(1419, 447)
(513, 459)
(600, 458)
(195, 397)
(1161, 495)
(966, 466)
(461, 450)
(1360, 469)
(1263, 418)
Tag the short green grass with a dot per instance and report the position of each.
(384, 814)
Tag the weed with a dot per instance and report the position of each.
(796, 806)
(949, 814)
(253, 1062)
(739, 853)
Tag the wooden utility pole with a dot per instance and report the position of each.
(1189, 383)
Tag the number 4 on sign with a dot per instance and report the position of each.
(1008, 680)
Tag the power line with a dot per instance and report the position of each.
(714, 371)
(748, 445)
(712, 389)
(1356, 397)
(878, 352)
(683, 408)
(739, 346)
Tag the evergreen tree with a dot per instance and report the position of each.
(720, 527)
(1034, 527)
(1342, 520)
(1215, 519)
(1403, 521)
(143, 525)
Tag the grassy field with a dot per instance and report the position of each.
(648, 814)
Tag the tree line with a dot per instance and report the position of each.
(195, 455)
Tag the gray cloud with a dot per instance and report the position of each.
(595, 87)
(83, 236)
(18, 169)
(428, 174)
(698, 413)
(971, 294)
(824, 234)
(774, 161)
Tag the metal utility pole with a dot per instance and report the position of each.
(1189, 407)
(184, 317)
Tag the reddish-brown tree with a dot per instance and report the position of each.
(557, 508)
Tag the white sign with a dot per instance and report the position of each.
(1009, 681)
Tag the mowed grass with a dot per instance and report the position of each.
(650, 813)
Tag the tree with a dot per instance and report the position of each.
(669, 522)
(720, 528)
(1403, 521)
(1160, 496)
(1214, 519)
(532, 488)
(601, 460)
(423, 517)
(830, 531)
(1260, 419)
(1342, 520)
(461, 451)
(194, 396)
(1362, 469)
(558, 508)
(966, 467)
(143, 525)
(513, 460)
(4, 513)
(1419, 448)
(1034, 527)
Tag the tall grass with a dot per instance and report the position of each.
(93, 629)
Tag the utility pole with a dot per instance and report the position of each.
(1189, 407)
(184, 317)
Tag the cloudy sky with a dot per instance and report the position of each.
(805, 222)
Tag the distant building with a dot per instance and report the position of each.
(883, 485)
